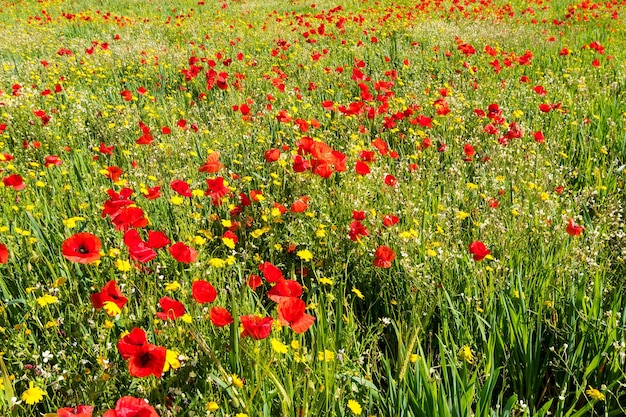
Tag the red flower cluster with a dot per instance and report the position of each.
(144, 359)
(79, 411)
(109, 293)
(144, 251)
(131, 407)
(322, 159)
(122, 212)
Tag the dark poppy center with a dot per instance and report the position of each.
(82, 249)
(145, 359)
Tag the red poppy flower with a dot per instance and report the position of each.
(574, 229)
(82, 248)
(384, 256)
(291, 311)
(131, 407)
(216, 189)
(157, 239)
(181, 187)
(469, 151)
(4, 254)
(149, 362)
(478, 250)
(212, 164)
(137, 248)
(357, 230)
(284, 288)
(390, 220)
(107, 150)
(271, 272)
(254, 281)
(172, 309)
(152, 193)
(220, 316)
(381, 146)
(358, 215)
(15, 181)
(300, 205)
(272, 155)
(133, 343)
(128, 217)
(390, 180)
(203, 292)
(545, 107)
(183, 253)
(79, 411)
(256, 327)
(52, 160)
(110, 292)
(539, 137)
(114, 173)
(362, 168)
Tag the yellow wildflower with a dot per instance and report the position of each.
(171, 360)
(594, 394)
(465, 354)
(355, 407)
(358, 293)
(111, 308)
(172, 286)
(278, 346)
(212, 406)
(305, 255)
(33, 394)
(236, 381)
(325, 356)
(46, 300)
(122, 265)
(71, 222)
(217, 262)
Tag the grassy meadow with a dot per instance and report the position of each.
(312, 208)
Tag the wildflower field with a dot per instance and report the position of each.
(312, 208)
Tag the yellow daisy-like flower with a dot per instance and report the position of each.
(236, 381)
(46, 300)
(111, 308)
(212, 406)
(278, 346)
(595, 394)
(176, 200)
(358, 293)
(122, 265)
(33, 394)
(217, 262)
(71, 222)
(305, 255)
(171, 360)
(228, 242)
(465, 354)
(325, 356)
(325, 281)
(355, 407)
(172, 286)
